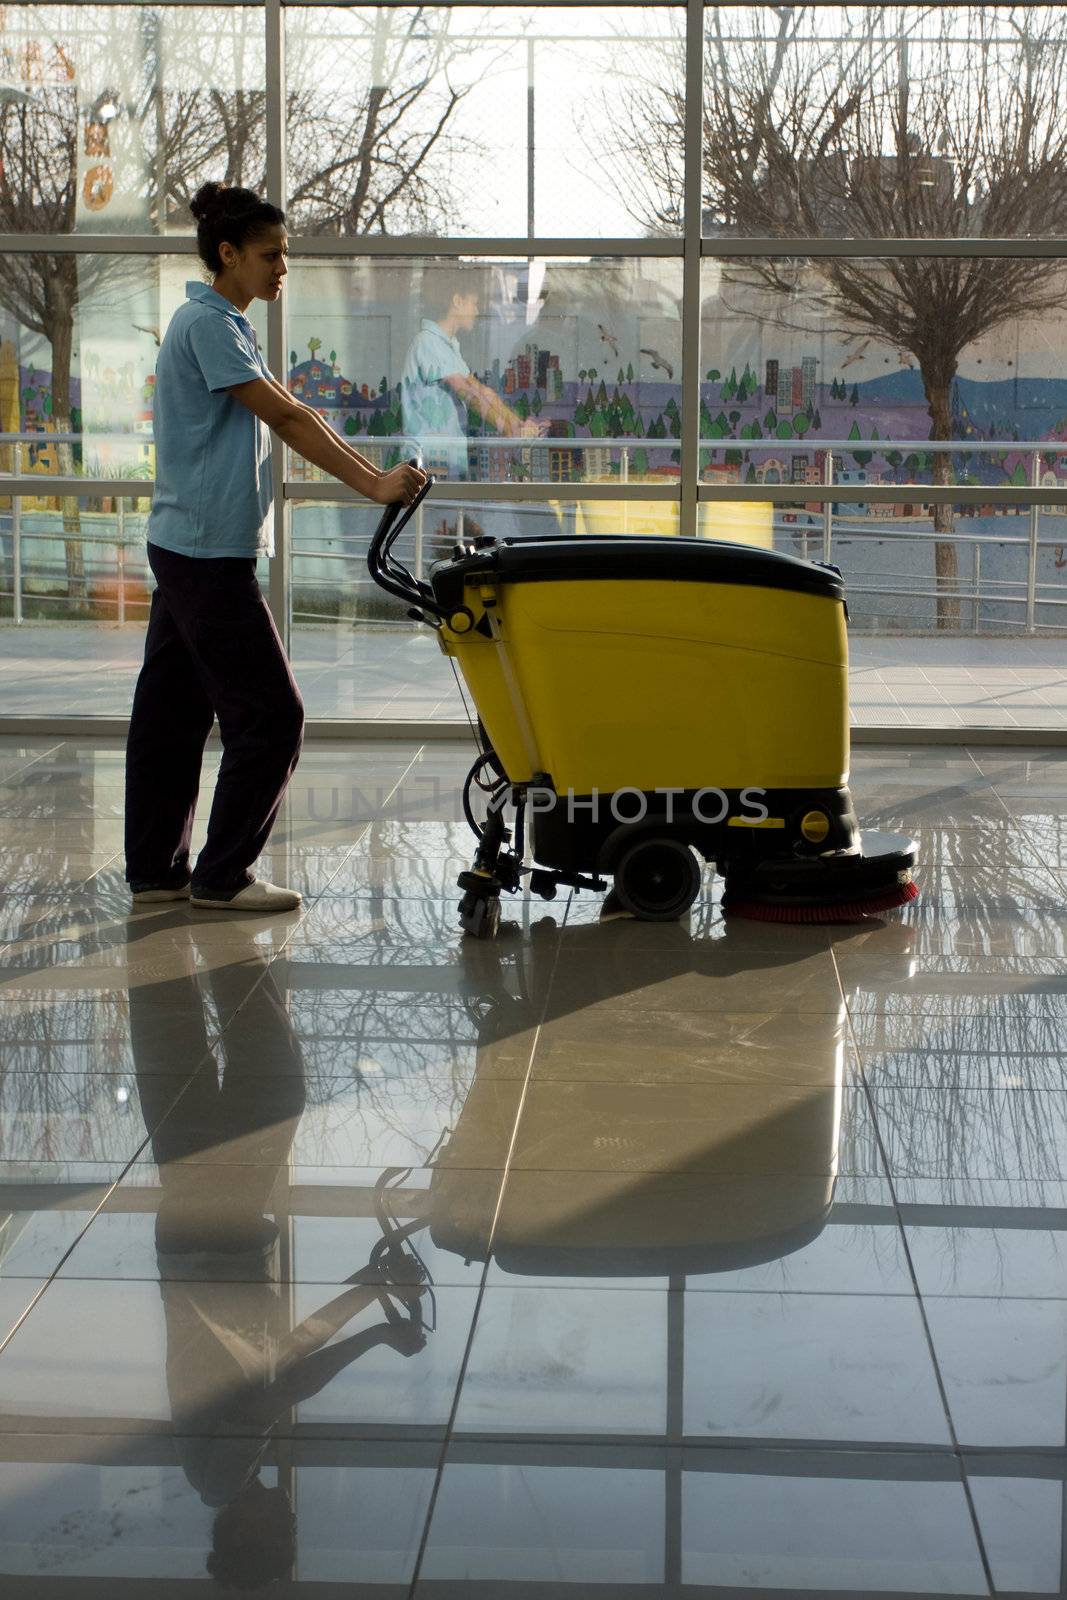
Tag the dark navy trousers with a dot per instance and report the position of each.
(212, 651)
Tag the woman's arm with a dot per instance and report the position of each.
(298, 427)
(325, 426)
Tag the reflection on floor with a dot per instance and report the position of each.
(341, 1256)
(385, 673)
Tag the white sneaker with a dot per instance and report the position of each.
(256, 896)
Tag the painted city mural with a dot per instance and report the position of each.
(600, 378)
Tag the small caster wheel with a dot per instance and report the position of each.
(482, 919)
(657, 879)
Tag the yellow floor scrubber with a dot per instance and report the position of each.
(647, 704)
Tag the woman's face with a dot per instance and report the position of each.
(257, 270)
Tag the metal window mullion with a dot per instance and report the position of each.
(885, 494)
(859, 249)
(279, 578)
(691, 265)
(97, 244)
(512, 493)
(673, 1543)
(39, 485)
(345, 244)
(519, 248)
(424, 245)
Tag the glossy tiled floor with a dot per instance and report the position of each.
(614, 1258)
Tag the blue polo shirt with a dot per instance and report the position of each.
(213, 474)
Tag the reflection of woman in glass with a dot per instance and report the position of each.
(235, 1364)
(438, 389)
(212, 648)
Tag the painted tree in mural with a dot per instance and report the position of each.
(884, 122)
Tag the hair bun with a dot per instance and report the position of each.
(207, 199)
(226, 213)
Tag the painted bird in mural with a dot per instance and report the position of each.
(142, 329)
(856, 355)
(658, 363)
(608, 338)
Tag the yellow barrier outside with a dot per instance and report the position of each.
(745, 522)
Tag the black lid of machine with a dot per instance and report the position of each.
(539, 559)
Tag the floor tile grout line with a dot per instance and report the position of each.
(111, 1188)
(970, 752)
(957, 1451)
(11, 776)
(63, 744)
(483, 1284)
(738, 1445)
(75, 888)
(535, 1286)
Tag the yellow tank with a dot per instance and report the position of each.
(652, 663)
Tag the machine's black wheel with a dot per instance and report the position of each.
(479, 916)
(657, 879)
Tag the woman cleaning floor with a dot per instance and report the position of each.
(212, 649)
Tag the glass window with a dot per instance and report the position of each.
(477, 121)
(78, 570)
(356, 651)
(67, 559)
(79, 336)
(494, 371)
(840, 376)
(878, 121)
(807, 354)
(847, 372)
(112, 116)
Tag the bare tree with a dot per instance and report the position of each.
(203, 113)
(38, 181)
(388, 145)
(890, 123)
(370, 105)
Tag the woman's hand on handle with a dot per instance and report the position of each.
(402, 483)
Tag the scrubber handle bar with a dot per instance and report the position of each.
(391, 574)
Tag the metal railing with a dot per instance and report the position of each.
(821, 494)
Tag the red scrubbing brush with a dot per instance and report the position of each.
(844, 911)
(841, 886)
